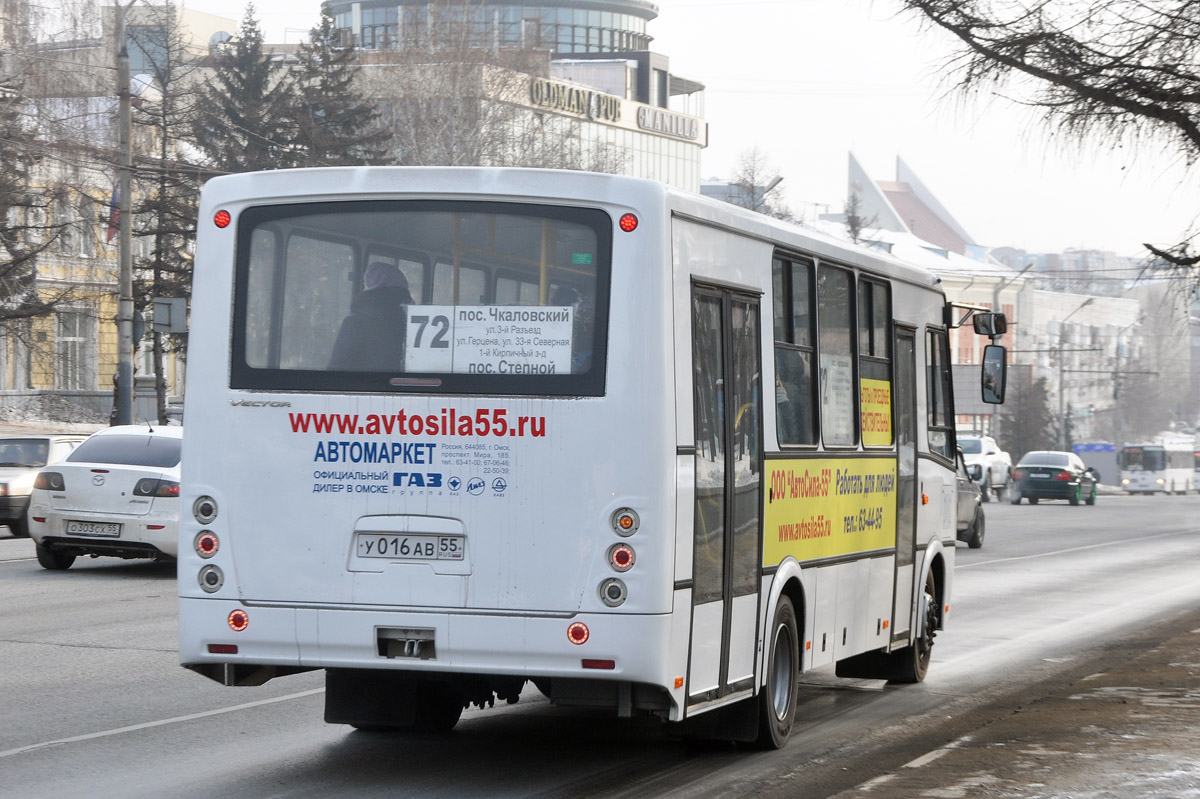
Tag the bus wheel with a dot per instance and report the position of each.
(53, 559)
(777, 702)
(912, 662)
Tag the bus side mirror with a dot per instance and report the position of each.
(995, 373)
(988, 323)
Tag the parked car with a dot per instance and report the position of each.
(116, 494)
(1054, 475)
(989, 466)
(21, 458)
(970, 508)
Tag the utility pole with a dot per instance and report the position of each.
(124, 227)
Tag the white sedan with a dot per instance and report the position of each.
(117, 495)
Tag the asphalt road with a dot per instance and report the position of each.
(94, 704)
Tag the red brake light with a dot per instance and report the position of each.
(578, 633)
(222, 219)
(628, 223)
(1063, 476)
(1018, 474)
(238, 620)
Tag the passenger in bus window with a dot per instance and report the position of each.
(582, 330)
(371, 338)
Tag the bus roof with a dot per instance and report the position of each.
(549, 185)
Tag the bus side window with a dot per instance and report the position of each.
(793, 313)
(941, 422)
(835, 341)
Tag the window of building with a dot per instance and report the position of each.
(75, 361)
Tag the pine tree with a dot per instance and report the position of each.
(1026, 420)
(244, 120)
(335, 125)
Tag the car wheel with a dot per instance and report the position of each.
(777, 702)
(1091, 500)
(1074, 498)
(54, 560)
(975, 540)
(20, 527)
(985, 488)
(1014, 497)
(1033, 500)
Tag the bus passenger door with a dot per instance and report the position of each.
(727, 530)
(906, 484)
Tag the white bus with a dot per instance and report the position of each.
(1166, 464)
(642, 450)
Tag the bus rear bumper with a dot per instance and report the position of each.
(622, 647)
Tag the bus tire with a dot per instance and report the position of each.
(911, 663)
(777, 700)
(53, 559)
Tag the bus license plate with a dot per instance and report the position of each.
(93, 528)
(396, 546)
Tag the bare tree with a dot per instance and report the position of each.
(1124, 72)
(450, 99)
(755, 185)
(167, 178)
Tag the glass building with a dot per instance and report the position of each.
(562, 26)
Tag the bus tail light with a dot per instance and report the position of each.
(211, 579)
(598, 664)
(204, 509)
(625, 522)
(578, 633)
(206, 543)
(628, 223)
(222, 219)
(238, 620)
(613, 592)
(621, 557)
(222, 649)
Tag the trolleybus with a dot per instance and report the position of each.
(456, 432)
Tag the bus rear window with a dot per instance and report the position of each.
(488, 298)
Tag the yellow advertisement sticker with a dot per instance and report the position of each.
(822, 508)
(875, 399)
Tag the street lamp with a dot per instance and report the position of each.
(124, 227)
(1062, 332)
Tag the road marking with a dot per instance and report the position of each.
(162, 722)
(926, 759)
(1125, 541)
